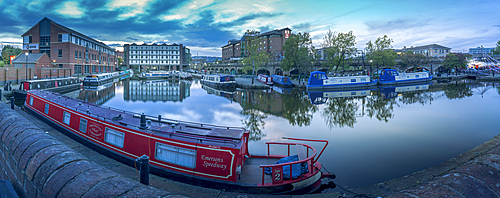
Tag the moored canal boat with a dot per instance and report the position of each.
(265, 79)
(393, 77)
(99, 79)
(201, 154)
(318, 80)
(281, 81)
(219, 81)
(55, 85)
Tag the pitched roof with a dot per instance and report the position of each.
(32, 58)
(424, 47)
(69, 30)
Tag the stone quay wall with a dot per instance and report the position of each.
(38, 165)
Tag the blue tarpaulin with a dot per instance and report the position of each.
(297, 169)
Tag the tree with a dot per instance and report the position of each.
(455, 61)
(298, 51)
(497, 49)
(410, 59)
(380, 52)
(253, 51)
(120, 60)
(337, 46)
(8, 51)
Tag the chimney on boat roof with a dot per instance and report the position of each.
(143, 122)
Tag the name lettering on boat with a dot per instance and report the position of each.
(216, 147)
(95, 129)
(213, 162)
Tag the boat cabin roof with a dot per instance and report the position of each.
(49, 80)
(174, 129)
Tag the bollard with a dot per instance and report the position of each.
(12, 103)
(159, 119)
(144, 168)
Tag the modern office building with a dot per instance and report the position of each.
(68, 48)
(432, 50)
(157, 56)
(479, 51)
(271, 42)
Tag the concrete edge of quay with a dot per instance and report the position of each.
(38, 165)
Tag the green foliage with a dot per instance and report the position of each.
(380, 52)
(120, 60)
(457, 91)
(255, 55)
(8, 51)
(254, 122)
(2, 64)
(413, 60)
(337, 46)
(496, 51)
(298, 52)
(454, 61)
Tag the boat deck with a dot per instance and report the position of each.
(220, 135)
(251, 173)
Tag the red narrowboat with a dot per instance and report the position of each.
(200, 154)
(265, 79)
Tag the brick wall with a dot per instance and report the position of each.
(43, 73)
(38, 165)
(14, 75)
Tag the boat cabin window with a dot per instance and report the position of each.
(114, 137)
(353, 80)
(46, 108)
(66, 117)
(176, 155)
(83, 125)
(320, 76)
(31, 100)
(382, 73)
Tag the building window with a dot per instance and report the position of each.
(176, 155)
(45, 41)
(76, 54)
(83, 125)
(66, 117)
(46, 108)
(114, 137)
(60, 65)
(59, 53)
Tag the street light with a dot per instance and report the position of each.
(26, 65)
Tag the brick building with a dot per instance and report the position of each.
(432, 50)
(68, 48)
(272, 42)
(156, 56)
(35, 61)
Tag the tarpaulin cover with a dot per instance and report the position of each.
(297, 169)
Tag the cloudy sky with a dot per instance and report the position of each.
(206, 25)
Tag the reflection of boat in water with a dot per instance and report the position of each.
(282, 90)
(393, 77)
(318, 80)
(228, 93)
(156, 90)
(202, 154)
(97, 94)
(126, 74)
(55, 85)
(320, 97)
(393, 91)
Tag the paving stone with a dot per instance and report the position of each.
(41, 156)
(24, 156)
(62, 176)
(79, 185)
(488, 175)
(465, 185)
(10, 129)
(491, 160)
(145, 191)
(379, 189)
(52, 164)
(431, 190)
(21, 137)
(409, 180)
(6, 122)
(477, 151)
(442, 168)
(112, 187)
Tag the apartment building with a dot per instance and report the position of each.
(157, 56)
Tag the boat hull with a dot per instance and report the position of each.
(344, 86)
(406, 82)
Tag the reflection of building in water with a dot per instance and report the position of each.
(156, 90)
(229, 94)
(98, 95)
(355, 97)
(262, 100)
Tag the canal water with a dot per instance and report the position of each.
(374, 135)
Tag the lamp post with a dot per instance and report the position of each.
(26, 65)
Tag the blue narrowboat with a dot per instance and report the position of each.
(393, 77)
(319, 80)
(282, 81)
(219, 81)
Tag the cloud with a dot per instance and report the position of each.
(387, 26)
(71, 9)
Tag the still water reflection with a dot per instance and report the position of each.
(375, 135)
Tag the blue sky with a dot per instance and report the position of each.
(206, 25)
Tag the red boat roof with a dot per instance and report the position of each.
(166, 128)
